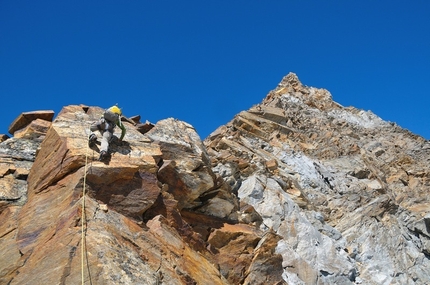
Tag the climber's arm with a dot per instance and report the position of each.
(121, 126)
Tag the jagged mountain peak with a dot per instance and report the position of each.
(291, 79)
(296, 190)
(291, 89)
(341, 167)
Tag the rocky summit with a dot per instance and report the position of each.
(296, 190)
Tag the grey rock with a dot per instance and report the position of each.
(348, 196)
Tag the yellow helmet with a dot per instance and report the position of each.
(116, 110)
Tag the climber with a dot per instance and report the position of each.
(106, 126)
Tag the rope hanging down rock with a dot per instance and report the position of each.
(83, 218)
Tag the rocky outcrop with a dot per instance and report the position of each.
(16, 159)
(150, 210)
(345, 191)
(38, 121)
(296, 190)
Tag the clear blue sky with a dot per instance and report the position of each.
(205, 61)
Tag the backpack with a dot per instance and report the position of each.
(112, 114)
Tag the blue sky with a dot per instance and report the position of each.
(205, 61)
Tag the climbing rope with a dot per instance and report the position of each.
(83, 218)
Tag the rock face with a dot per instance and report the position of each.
(345, 191)
(296, 190)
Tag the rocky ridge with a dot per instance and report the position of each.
(346, 191)
(296, 190)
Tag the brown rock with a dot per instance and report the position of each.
(119, 247)
(272, 164)
(66, 145)
(131, 192)
(144, 128)
(11, 256)
(196, 269)
(3, 137)
(135, 119)
(11, 188)
(234, 245)
(26, 118)
(266, 265)
(34, 129)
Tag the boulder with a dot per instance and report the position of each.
(186, 169)
(27, 117)
(35, 129)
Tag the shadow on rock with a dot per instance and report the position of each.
(117, 146)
